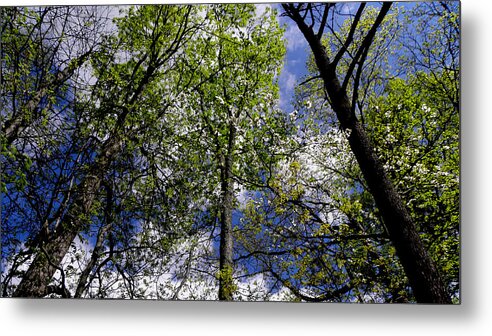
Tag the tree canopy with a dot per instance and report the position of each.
(145, 152)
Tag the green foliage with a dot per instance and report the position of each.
(331, 235)
(180, 90)
(225, 275)
(416, 133)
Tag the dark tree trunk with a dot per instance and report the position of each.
(35, 281)
(37, 278)
(84, 279)
(226, 285)
(53, 248)
(420, 269)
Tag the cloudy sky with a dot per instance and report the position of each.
(295, 61)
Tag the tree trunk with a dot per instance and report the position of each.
(420, 269)
(226, 285)
(99, 247)
(35, 281)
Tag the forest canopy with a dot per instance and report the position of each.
(285, 152)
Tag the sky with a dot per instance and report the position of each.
(294, 64)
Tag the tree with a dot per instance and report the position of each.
(39, 71)
(155, 161)
(417, 137)
(421, 270)
(241, 58)
(116, 107)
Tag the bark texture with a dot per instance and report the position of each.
(226, 266)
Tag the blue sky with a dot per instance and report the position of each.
(294, 63)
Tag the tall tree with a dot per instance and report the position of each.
(44, 50)
(169, 28)
(421, 270)
(242, 58)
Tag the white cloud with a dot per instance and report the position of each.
(349, 8)
(257, 288)
(243, 195)
(295, 39)
(261, 9)
(287, 82)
